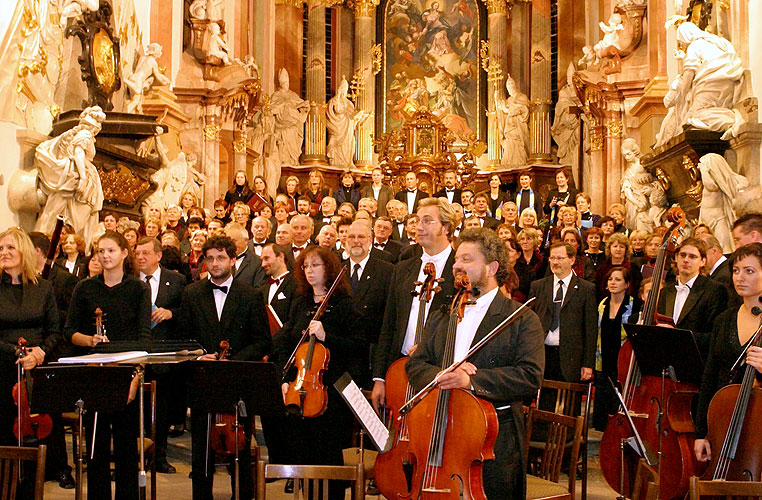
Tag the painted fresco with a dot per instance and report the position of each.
(431, 62)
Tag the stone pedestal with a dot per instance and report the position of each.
(746, 149)
(650, 112)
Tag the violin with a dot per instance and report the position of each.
(100, 329)
(307, 394)
(393, 467)
(222, 435)
(642, 396)
(451, 431)
(28, 428)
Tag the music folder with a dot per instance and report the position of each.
(364, 412)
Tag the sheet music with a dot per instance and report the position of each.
(363, 411)
(112, 357)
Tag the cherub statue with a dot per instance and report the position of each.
(217, 47)
(207, 9)
(146, 74)
(250, 66)
(608, 46)
(588, 58)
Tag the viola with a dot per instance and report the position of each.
(642, 395)
(307, 394)
(451, 431)
(222, 435)
(28, 428)
(393, 467)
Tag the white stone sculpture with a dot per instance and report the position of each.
(610, 36)
(565, 129)
(707, 88)
(342, 118)
(290, 113)
(74, 8)
(218, 49)
(213, 10)
(68, 178)
(721, 188)
(174, 177)
(512, 124)
(264, 141)
(645, 200)
(146, 75)
(250, 66)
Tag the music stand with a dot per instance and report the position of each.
(58, 389)
(660, 350)
(239, 387)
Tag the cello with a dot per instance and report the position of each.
(451, 431)
(392, 479)
(642, 394)
(222, 435)
(307, 394)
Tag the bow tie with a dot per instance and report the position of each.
(450, 190)
(682, 288)
(379, 245)
(411, 190)
(222, 288)
(274, 281)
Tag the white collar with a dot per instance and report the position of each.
(485, 299)
(362, 263)
(717, 264)
(690, 281)
(566, 280)
(156, 275)
(228, 282)
(440, 258)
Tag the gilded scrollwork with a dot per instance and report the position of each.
(363, 8)
(663, 178)
(614, 129)
(212, 132)
(497, 6)
(122, 185)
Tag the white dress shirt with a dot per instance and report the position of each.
(362, 263)
(376, 191)
(554, 336)
(472, 318)
(450, 193)
(411, 200)
(69, 264)
(439, 260)
(239, 259)
(220, 296)
(153, 282)
(681, 296)
(274, 288)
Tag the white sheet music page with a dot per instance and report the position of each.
(363, 411)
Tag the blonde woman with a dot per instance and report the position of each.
(528, 219)
(530, 264)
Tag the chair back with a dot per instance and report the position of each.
(559, 428)
(646, 485)
(10, 460)
(727, 490)
(311, 477)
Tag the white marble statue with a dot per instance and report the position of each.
(707, 88)
(249, 65)
(264, 141)
(565, 128)
(74, 8)
(68, 178)
(512, 124)
(645, 200)
(174, 177)
(721, 188)
(218, 49)
(342, 118)
(146, 75)
(610, 36)
(213, 10)
(290, 113)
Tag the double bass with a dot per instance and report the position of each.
(452, 431)
(393, 468)
(642, 394)
(28, 428)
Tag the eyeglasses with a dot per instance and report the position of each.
(426, 221)
(307, 267)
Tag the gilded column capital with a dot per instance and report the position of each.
(289, 3)
(497, 6)
(363, 8)
(212, 132)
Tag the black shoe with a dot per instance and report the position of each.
(176, 431)
(289, 488)
(66, 481)
(372, 488)
(164, 467)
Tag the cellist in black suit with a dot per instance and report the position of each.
(213, 310)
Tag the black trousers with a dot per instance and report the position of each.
(505, 477)
(203, 480)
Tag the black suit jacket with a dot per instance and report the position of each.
(281, 302)
(410, 251)
(724, 276)
(169, 296)
(419, 195)
(341, 196)
(385, 195)
(578, 333)
(705, 301)
(393, 248)
(398, 309)
(490, 222)
(80, 266)
(243, 321)
(250, 271)
(397, 235)
(369, 299)
(443, 194)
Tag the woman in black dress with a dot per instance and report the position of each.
(320, 440)
(562, 195)
(126, 305)
(239, 191)
(732, 330)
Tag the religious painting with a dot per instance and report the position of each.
(432, 62)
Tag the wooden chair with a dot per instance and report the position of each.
(572, 400)
(9, 466)
(729, 490)
(646, 485)
(543, 477)
(311, 476)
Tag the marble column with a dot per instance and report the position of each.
(364, 39)
(314, 130)
(539, 121)
(239, 150)
(211, 155)
(497, 34)
(612, 141)
(597, 168)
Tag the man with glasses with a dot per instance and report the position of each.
(436, 219)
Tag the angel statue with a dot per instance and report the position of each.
(721, 188)
(608, 46)
(217, 47)
(512, 124)
(68, 177)
(342, 119)
(75, 8)
(146, 74)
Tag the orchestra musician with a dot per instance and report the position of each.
(212, 310)
(732, 330)
(436, 219)
(126, 305)
(506, 372)
(320, 440)
(27, 309)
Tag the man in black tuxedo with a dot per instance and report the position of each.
(382, 231)
(694, 300)
(369, 277)
(166, 297)
(449, 191)
(569, 315)
(323, 217)
(507, 372)
(248, 266)
(261, 227)
(379, 191)
(302, 228)
(213, 310)
(717, 265)
(481, 205)
(398, 331)
(411, 196)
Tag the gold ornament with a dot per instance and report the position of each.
(212, 132)
(363, 8)
(614, 129)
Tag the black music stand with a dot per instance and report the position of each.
(240, 387)
(59, 389)
(663, 351)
